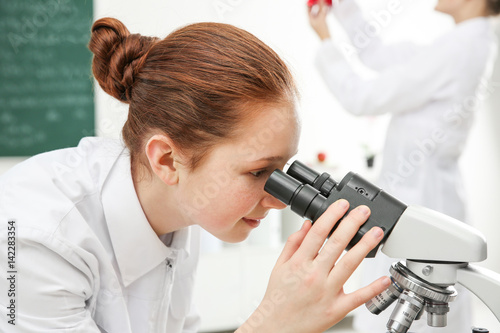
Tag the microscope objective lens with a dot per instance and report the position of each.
(383, 300)
(407, 309)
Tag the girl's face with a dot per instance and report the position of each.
(225, 194)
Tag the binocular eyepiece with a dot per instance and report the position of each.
(309, 193)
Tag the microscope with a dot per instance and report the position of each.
(437, 249)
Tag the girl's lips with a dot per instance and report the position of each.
(254, 223)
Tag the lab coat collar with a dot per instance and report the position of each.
(480, 23)
(181, 243)
(136, 246)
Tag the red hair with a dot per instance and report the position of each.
(192, 85)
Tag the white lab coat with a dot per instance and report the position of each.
(432, 93)
(87, 260)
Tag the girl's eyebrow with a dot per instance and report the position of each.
(273, 158)
(270, 158)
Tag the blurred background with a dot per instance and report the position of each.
(48, 100)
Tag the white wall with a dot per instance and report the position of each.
(481, 168)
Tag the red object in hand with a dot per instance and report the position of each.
(311, 3)
(321, 157)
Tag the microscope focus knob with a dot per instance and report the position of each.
(479, 330)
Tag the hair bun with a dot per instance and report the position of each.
(118, 56)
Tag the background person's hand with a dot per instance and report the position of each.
(305, 292)
(317, 19)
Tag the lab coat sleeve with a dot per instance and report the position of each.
(51, 293)
(401, 88)
(192, 322)
(364, 33)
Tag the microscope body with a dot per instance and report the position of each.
(437, 248)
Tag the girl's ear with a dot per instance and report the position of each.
(163, 156)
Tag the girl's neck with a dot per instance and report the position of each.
(470, 12)
(157, 202)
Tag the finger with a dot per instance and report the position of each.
(363, 295)
(351, 260)
(341, 237)
(314, 10)
(316, 237)
(324, 11)
(323, 6)
(293, 243)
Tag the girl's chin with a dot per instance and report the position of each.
(239, 232)
(233, 239)
(236, 236)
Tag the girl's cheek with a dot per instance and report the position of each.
(246, 196)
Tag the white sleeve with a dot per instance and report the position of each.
(50, 293)
(193, 321)
(364, 35)
(401, 88)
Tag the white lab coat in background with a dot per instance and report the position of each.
(87, 260)
(432, 93)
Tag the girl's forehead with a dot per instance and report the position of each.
(273, 135)
(270, 118)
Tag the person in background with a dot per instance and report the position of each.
(432, 93)
(106, 234)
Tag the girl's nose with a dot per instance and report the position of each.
(271, 202)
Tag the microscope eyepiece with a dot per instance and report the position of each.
(302, 173)
(302, 198)
(282, 187)
(322, 182)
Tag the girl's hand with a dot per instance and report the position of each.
(305, 292)
(317, 19)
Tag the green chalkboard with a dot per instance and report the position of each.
(46, 99)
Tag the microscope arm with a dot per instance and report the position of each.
(484, 283)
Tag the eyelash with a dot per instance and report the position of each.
(258, 173)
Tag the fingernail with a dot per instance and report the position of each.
(343, 203)
(364, 210)
(386, 281)
(377, 232)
